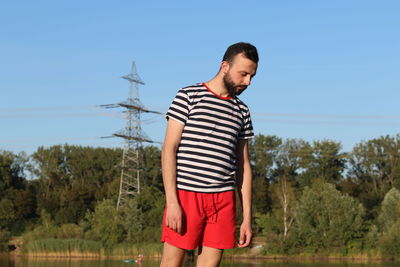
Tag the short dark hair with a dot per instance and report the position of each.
(249, 51)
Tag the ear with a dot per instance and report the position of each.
(225, 66)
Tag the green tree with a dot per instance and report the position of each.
(284, 195)
(17, 203)
(289, 159)
(11, 171)
(16, 208)
(389, 241)
(72, 178)
(322, 160)
(105, 224)
(5, 236)
(325, 218)
(375, 168)
(150, 163)
(389, 224)
(390, 210)
(262, 150)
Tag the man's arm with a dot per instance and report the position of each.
(244, 184)
(168, 161)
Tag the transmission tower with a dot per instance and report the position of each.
(133, 138)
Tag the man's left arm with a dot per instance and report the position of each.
(244, 184)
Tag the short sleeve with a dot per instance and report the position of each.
(247, 129)
(179, 109)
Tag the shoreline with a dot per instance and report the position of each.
(237, 257)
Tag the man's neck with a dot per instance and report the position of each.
(216, 85)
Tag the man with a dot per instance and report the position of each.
(204, 158)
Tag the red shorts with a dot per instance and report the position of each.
(209, 219)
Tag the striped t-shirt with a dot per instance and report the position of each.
(206, 156)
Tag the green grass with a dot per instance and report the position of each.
(63, 248)
(86, 248)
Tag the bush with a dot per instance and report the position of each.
(390, 241)
(5, 236)
(326, 219)
(105, 224)
(70, 231)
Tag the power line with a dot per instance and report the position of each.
(162, 110)
(346, 123)
(334, 116)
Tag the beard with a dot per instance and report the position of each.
(233, 88)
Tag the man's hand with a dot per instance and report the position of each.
(245, 235)
(173, 219)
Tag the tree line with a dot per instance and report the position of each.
(308, 197)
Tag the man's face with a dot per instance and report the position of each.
(238, 74)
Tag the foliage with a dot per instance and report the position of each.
(72, 191)
(389, 224)
(390, 210)
(17, 203)
(72, 178)
(262, 150)
(11, 171)
(5, 236)
(270, 226)
(324, 161)
(143, 216)
(284, 210)
(46, 229)
(375, 166)
(327, 219)
(389, 242)
(105, 224)
(16, 208)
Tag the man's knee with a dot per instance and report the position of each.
(209, 257)
(172, 256)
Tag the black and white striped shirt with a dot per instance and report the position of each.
(206, 156)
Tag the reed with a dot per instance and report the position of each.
(132, 250)
(63, 248)
(88, 249)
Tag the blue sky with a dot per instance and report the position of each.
(328, 69)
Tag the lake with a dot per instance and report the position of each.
(25, 262)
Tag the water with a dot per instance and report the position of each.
(25, 262)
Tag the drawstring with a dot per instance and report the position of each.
(210, 209)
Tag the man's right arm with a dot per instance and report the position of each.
(168, 160)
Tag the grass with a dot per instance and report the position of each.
(63, 248)
(88, 249)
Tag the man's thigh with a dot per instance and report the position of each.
(208, 219)
(192, 222)
(219, 231)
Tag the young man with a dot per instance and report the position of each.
(204, 158)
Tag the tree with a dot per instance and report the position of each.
(150, 164)
(72, 178)
(289, 159)
(287, 168)
(325, 218)
(17, 203)
(375, 167)
(284, 194)
(16, 208)
(389, 223)
(11, 171)
(322, 160)
(105, 224)
(390, 210)
(262, 151)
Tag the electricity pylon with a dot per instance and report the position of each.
(133, 137)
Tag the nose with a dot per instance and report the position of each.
(247, 80)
